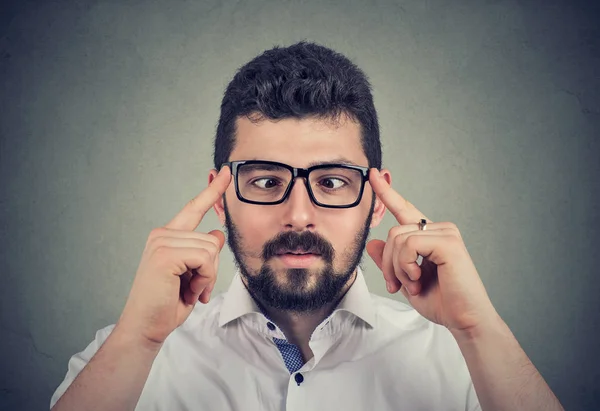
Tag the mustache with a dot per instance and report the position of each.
(306, 241)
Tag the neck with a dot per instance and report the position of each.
(299, 326)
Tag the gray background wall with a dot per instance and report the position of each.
(490, 117)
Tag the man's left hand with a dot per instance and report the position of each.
(446, 288)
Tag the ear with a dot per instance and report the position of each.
(379, 209)
(219, 206)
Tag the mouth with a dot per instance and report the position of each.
(298, 258)
(298, 252)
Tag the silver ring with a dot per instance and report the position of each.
(422, 227)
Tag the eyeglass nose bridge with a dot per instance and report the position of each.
(302, 173)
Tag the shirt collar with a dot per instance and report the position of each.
(238, 302)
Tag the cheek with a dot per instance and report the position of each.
(255, 224)
(341, 229)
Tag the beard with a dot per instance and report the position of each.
(296, 296)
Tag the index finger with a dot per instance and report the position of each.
(404, 211)
(193, 212)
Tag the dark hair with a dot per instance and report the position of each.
(299, 81)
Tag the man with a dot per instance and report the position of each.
(298, 184)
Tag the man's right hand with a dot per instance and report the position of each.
(177, 269)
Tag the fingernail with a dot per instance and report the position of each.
(389, 287)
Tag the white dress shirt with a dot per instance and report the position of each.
(372, 353)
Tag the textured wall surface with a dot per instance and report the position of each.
(490, 117)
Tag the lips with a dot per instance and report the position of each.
(298, 252)
(298, 259)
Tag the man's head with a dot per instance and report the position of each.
(302, 106)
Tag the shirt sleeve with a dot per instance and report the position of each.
(79, 361)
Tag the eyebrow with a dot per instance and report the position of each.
(263, 167)
(339, 160)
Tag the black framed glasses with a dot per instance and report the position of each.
(270, 182)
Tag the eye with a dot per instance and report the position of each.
(266, 182)
(332, 183)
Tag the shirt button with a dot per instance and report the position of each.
(299, 378)
(271, 326)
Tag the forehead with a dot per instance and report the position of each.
(299, 142)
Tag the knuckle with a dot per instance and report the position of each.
(458, 234)
(204, 255)
(411, 241)
(394, 232)
(212, 250)
(158, 232)
(155, 233)
(400, 240)
(156, 242)
(454, 228)
(455, 240)
(214, 240)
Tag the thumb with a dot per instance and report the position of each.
(375, 250)
(220, 236)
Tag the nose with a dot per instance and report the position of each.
(299, 211)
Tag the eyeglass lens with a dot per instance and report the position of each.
(268, 183)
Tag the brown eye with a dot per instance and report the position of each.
(266, 183)
(332, 183)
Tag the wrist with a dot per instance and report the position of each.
(493, 324)
(127, 337)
